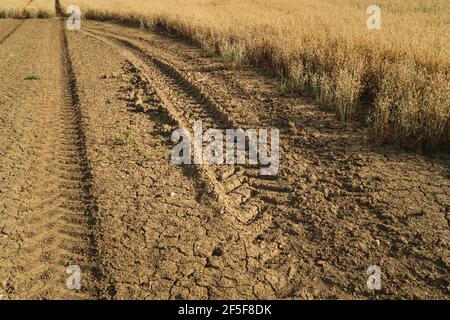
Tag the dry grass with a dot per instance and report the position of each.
(26, 9)
(324, 48)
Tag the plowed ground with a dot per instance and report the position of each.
(86, 179)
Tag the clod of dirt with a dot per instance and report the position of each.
(261, 237)
(311, 177)
(326, 193)
(6, 231)
(139, 105)
(322, 263)
(132, 96)
(167, 129)
(403, 240)
(109, 76)
(154, 98)
(304, 295)
(213, 262)
(217, 252)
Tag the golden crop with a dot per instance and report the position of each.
(27, 9)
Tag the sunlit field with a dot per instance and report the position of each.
(251, 150)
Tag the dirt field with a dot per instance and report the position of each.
(86, 179)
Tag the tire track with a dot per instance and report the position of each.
(243, 196)
(206, 176)
(59, 213)
(324, 191)
(202, 106)
(76, 157)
